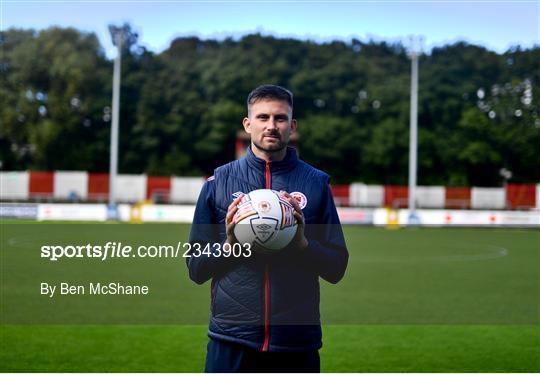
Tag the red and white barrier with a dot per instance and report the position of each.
(14, 185)
(520, 196)
(430, 197)
(70, 185)
(366, 195)
(98, 187)
(41, 186)
(396, 196)
(488, 198)
(45, 186)
(130, 188)
(158, 189)
(186, 189)
(457, 197)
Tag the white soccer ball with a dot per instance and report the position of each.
(265, 218)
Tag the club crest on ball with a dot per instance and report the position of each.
(264, 206)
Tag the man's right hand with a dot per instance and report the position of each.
(230, 221)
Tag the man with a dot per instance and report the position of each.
(265, 307)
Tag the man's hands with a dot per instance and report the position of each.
(299, 239)
(230, 221)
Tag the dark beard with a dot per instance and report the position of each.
(281, 145)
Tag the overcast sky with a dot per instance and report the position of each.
(496, 25)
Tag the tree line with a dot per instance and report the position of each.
(181, 109)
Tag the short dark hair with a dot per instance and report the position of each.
(270, 92)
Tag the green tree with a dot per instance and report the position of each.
(331, 144)
(181, 108)
(53, 94)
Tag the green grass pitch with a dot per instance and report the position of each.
(413, 300)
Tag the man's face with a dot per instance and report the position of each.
(270, 125)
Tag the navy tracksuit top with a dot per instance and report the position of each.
(269, 302)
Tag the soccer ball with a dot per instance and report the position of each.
(265, 218)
